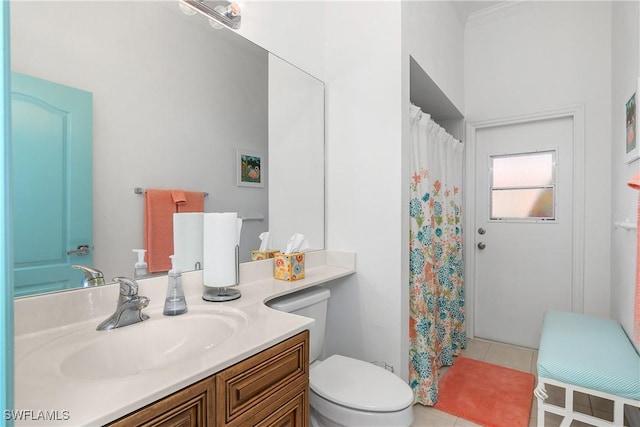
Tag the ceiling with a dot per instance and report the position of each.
(466, 8)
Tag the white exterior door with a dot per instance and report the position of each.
(523, 227)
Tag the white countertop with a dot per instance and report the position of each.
(43, 390)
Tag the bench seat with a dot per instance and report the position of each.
(589, 355)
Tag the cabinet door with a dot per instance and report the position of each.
(263, 382)
(292, 414)
(189, 407)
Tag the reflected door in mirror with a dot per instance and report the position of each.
(51, 145)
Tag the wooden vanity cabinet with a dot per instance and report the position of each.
(269, 389)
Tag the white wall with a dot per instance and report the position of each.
(624, 72)
(434, 36)
(296, 155)
(364, 181)
(536, 56)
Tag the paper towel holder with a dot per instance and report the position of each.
(225, 293)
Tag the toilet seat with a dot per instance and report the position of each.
(359, 385)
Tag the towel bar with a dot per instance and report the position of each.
(140, 190)
(625, 225)
(257, 217)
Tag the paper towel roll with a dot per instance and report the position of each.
(219, 249)
(187, 240)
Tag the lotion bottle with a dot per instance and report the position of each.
(141, 270)
(175, 303)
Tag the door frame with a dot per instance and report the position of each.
(576, 113)
(6, 251)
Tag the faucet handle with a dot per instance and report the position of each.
(143, 302)
(128, 287)
(92, 276)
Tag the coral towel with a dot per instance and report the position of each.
(178, 196)
(158, 229)
(635, 184)
(192, 201)
(160, 205)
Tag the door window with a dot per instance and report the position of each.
(523, 187)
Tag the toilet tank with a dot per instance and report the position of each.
(311, 302)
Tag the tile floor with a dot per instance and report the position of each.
(516, 358)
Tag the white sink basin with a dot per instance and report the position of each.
(157, 343)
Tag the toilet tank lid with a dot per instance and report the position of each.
(301, 299)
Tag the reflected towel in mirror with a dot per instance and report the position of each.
(192, 201)
(160, 205)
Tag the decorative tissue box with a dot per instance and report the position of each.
(288, 267)
(260, 255)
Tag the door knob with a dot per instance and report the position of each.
(481, 245)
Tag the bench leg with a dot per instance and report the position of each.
(567, 413)
(618, 413)
(541, 394)
(568, 407)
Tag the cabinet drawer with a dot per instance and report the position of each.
(262, 379)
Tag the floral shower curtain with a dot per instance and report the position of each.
(436, 324)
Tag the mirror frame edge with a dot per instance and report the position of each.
(6, 275)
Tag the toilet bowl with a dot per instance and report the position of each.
(346, 391)
(350, 392)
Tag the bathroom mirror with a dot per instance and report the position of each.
(174, 100)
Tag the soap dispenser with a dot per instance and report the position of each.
(175, 303)
(141, 270)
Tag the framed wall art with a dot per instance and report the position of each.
(250, 168)
(632, 151)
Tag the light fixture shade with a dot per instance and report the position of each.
(228, 16)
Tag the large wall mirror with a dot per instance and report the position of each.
(172, 100)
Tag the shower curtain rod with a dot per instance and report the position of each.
(432, 119)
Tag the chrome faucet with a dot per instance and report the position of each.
(92, 276)
(129, 308)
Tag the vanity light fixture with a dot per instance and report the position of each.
(219, 16)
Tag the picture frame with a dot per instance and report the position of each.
(250, 168)
(632, 148)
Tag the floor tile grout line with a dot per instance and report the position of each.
(486, 352)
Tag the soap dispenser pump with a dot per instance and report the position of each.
(175, 303)
(141, 270)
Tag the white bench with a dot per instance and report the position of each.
(589, 355)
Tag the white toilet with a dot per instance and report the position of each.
(346, 391)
